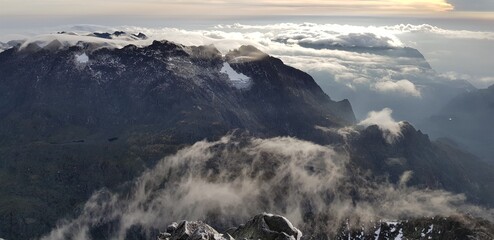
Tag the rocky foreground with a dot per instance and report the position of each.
(263, 226)
(274, 227)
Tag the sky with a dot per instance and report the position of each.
(245, 7)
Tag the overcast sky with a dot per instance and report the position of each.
(246, 7)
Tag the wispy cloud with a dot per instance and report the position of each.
(402, 86)
(391, 128)
(308, 183)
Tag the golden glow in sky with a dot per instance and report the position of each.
(223, 7)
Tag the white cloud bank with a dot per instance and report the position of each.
(427, 28)
(402, 86)
(366, 64)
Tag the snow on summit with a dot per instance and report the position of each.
(239, 80)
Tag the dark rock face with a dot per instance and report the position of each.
(267, 226)
(174, 88)
(191, 230)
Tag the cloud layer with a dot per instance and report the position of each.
(371, 66)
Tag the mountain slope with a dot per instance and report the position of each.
(467, 120)
(76, 120)
(433, 164)
(164, 84)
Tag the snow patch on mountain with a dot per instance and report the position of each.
(82, 58)
(377, 233)
(239, 80)
(400, 235)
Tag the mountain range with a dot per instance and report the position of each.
(467, 120)
(80, 118)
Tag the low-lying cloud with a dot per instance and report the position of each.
(237, 177)
(402, 86)
(427, 28)
(383, 119)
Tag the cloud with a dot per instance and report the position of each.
(480, 82)
(391, 129)
(237, 177)
(319, 36)
(426, 28)
(402, 86)
(331, 40)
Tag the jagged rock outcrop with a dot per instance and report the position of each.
(186, 230)
(266, 226)
(263, 226)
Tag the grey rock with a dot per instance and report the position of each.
(264, 226)
(268, 227)
(186, 230)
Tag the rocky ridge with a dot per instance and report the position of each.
(275, 227)
(264, 226)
